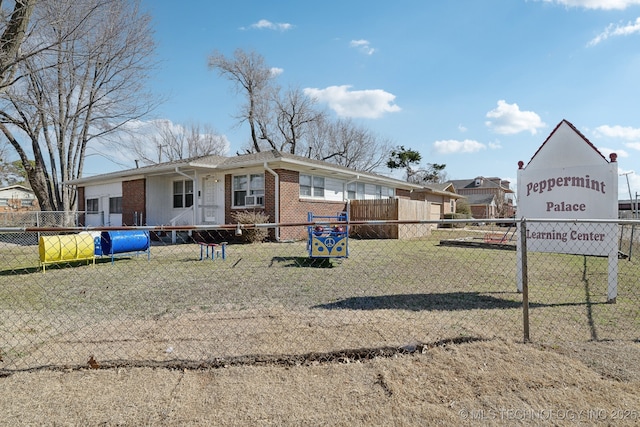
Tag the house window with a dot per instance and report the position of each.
(355, 190)
(182, 194)
(4, 202)
(26, 202)
(311, 186)
(92, 205)
(452, 205)
(115, 205)
(248, 190)
(383, 192)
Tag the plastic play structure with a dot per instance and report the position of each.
(327, 239)
(66, 248)
(110, 243)
(85, 246)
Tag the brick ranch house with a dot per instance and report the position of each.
(18, 198)
(207, 190)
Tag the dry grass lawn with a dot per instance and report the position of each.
(270, 300)
(476, 383)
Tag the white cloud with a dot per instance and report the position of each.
(597, 4)
(363, 45)
(462, 128)
(452, 146)
(371, 104)
(495, 145)
(633, 145)
(276, 71)
(616, 31)
(507, 119)
(265, 24)
(622, 132)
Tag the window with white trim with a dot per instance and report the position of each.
(183, 193)
(355, 190)
(311, 186)
(92, 205)
(383, 192)
(248, 190)
(115, 205)
(379, 192)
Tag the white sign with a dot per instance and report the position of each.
(568, 179)
(579, 192)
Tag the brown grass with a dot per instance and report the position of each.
(401, 333)
(479, 383)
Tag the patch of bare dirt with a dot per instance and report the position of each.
(449, 383)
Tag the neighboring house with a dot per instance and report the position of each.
(208, 190)
(442, 198)
(482, 205)
(17, 198)
(629, 209)
(487, 197)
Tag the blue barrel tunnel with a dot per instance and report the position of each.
(118, 242)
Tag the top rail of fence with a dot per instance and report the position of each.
(231, 227)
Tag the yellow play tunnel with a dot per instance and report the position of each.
(70, 247)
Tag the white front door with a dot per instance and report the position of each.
(212, 199)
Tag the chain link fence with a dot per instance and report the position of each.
(127, 297)
(46, 218)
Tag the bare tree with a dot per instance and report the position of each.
(285, 119)
(14, 25)
(290, 122)
(344, 143)
(295, 116)
(170, 142)
(250, 74)
(88, 87)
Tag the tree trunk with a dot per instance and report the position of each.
(12, 37)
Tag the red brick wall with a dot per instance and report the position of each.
(81, 205)
(81, 200)
(292, 209)
(269, 196)
(133, 201)
(482, 211)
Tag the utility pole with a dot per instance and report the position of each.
(633, 214)
(626, 174)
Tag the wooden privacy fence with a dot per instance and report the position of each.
(392, 209)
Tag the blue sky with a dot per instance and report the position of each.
(476, 85)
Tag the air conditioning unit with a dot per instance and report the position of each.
(250, 200)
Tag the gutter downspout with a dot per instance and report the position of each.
(276, 197)
(194, 179)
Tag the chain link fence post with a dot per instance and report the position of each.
(525, 281)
